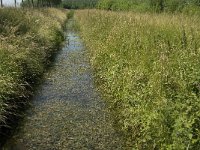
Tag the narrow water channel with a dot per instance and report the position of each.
(67, 112)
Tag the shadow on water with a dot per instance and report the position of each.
(67, 112)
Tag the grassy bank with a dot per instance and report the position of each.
(147, 66)
(28, 38)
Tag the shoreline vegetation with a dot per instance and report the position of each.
(28, 39)
(144, 53)
(147, 67)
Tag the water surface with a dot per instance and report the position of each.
(67, 112)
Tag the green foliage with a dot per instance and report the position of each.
(157, 5)
(79, 4)
(147, 67)
(28, 39)
(70, 14)
(148, 5)
(117, 4)
(41, 3)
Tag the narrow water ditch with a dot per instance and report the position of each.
(67, 112)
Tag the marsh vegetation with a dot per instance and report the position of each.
(136, 74)
(67, 112)
(147, 67)
(28, 40)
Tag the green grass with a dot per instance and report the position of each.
(147, 67)
(28, 38)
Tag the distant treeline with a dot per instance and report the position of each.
(79, 4)
(187, 6)
(68, 4)
(40, 3)
(150, 5)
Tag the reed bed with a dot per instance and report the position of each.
(147, 67)
(28, 38)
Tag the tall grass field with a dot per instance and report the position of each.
(28, 38)
(148, 68)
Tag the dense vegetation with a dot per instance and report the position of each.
(68, 4)
(188, 6)
(27, 40)
(79, 4)
(147, 67)
(40, 3)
